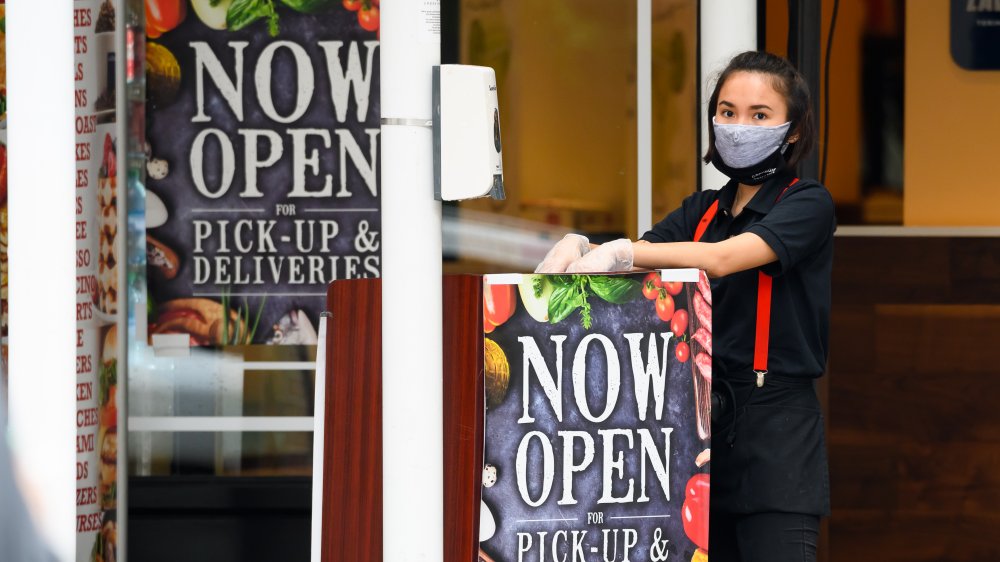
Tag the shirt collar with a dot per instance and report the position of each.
(763, 200)
(727, 196)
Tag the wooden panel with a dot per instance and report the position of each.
(887, 536)
(352, 473)
(937, 339)
(918, 409)
(976, 269)
(851, 329)
(884, 270)
(916, 270)
(463, 415)
(914, 406)
(352, 528)
(922, 477)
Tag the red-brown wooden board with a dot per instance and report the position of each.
(352, 468)
(463, 415)
(352, 473)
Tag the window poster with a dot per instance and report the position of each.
(598, 395)
(98, 250)
(262, 164)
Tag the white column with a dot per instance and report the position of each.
(42, 248)
(728, 27)
(412, 440)
(644, 115)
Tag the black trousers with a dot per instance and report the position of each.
(762, 537)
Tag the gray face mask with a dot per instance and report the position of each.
(743, 146)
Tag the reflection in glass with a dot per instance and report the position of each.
(566, 81)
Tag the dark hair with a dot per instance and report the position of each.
(787, 81)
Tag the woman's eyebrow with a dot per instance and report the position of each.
(761, 106)
(726, 103)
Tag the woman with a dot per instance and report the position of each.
(766, 240)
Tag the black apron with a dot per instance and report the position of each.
(769, 451)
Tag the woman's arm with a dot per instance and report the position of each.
(739, 253)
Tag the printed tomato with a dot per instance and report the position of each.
(164, 15)
(487, 327)
(352, 5)
(694, 512)
(651, 286)
(682, 351)
(109, 413)
(698, 486)
(679, 322)
(664, 306)
(368, 18)
(673, 287)
(499, 302)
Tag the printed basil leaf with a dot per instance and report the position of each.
(563, 302)
(107, 378)
(616, 290)
(310, 6)
(272, 23)
(242, 13)
(585, 314)
(562, 280)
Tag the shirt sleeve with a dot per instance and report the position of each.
(797, 226)
(680, 224)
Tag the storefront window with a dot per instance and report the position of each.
(863, 133)
(253, 184)
(566, 79)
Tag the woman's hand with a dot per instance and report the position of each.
(612, 256)
(571, 248)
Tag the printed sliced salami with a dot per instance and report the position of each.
(704, 288)
(704, 363)
(703, 311)
(704, 337)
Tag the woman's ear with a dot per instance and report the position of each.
(793, 137)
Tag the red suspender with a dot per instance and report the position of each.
(763, 330)
(794, 181)
(763, 325)
(705, 219)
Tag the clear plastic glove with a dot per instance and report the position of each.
(616, 255)
(571, 248)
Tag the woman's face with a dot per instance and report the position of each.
(747, 98)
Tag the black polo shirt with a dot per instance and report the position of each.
(799, 228)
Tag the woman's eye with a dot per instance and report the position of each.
(726, 113)
(760, 116)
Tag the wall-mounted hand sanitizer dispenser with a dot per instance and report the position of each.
(467, 162)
